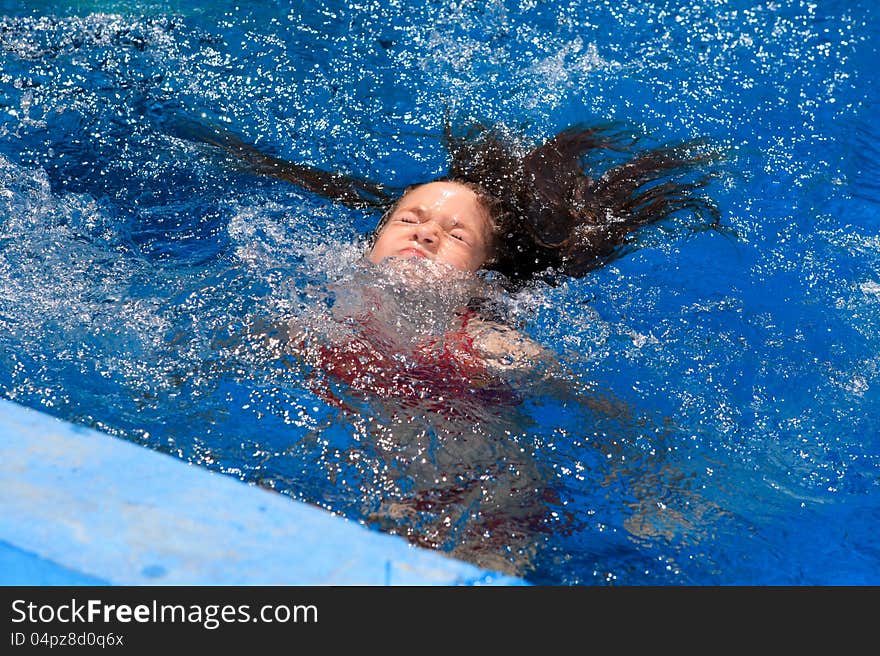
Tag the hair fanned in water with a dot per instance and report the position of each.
(559, 209)
(559, 212)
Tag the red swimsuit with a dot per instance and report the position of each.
(437, 374)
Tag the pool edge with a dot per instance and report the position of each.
(83, 507)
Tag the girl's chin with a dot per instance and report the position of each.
(425, 267)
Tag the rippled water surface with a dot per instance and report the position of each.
(714, 416)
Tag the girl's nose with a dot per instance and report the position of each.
(428, 232)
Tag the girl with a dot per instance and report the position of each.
(546, 213)
(423, 371)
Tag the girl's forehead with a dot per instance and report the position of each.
(454, 200)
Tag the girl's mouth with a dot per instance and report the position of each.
(413, 252)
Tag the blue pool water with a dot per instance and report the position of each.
(716, 418)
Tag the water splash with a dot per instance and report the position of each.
(135, 266)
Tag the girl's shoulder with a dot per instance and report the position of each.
(504, 347)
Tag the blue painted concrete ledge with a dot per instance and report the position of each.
(79, 507)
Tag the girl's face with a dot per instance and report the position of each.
(442, 221)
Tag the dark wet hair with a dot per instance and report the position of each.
(563, 208)
(558, 211)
